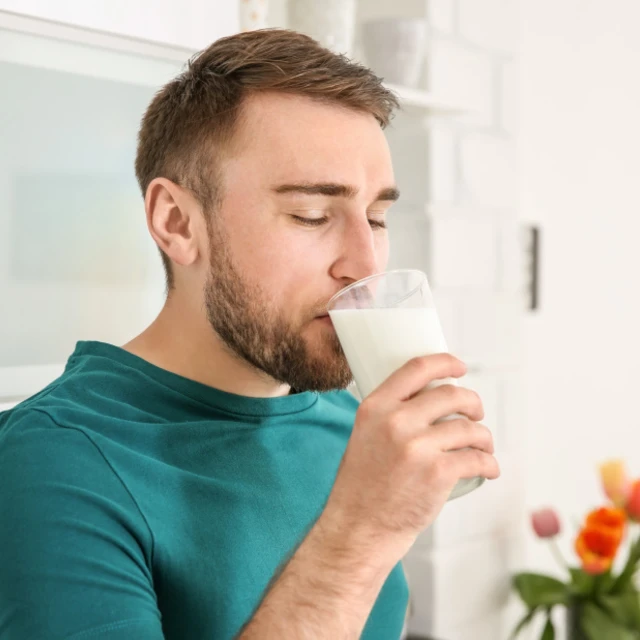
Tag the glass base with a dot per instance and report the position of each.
(465, 486)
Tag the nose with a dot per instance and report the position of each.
(358, 255)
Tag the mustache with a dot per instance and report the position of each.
(321, 308)
(361, 297)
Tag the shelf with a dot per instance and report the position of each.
(45, 28)
(140, 61)
(50, 46)
(425, 102)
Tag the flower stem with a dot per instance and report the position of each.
(557, 554)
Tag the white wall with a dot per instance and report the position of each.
(580, 156)
(580, 160)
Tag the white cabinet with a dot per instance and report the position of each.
(76, 260)
(188, 23)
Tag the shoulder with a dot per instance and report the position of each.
(26, 426)
(34, 447)
(49, 470)
(43, 461)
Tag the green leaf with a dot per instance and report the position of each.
(525, 620)
(597, 625)
(540, 591)
(623, 608)
(582, 583)
(549, 633)
(623, 581)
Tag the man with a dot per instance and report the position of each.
(212, 478)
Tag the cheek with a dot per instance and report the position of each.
(280, 267)
(262, 265)
(293, 273)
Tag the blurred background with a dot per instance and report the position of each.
(517, 154)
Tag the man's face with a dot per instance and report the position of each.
(305, 192)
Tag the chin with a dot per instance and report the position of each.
(331, 372)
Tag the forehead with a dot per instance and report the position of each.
(283, 133)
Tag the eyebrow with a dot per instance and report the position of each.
(388, 194)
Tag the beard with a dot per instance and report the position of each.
(263, 336)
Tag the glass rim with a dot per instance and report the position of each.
(359, 283)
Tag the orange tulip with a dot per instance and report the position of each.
(633, 502)
(599, 540)
(597, 547)
(610, 517)
(615, 481)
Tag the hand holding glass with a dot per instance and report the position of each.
(384, 321)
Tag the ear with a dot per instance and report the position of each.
(173, 218)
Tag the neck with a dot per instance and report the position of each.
(182, 341)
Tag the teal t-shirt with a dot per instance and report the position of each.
(136, 503)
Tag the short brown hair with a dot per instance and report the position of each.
(192, 117)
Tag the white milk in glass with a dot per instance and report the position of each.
(378, 342)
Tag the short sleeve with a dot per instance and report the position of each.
(75, 552)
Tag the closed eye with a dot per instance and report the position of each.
(318, 222)
(311, 222)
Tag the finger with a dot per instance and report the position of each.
(461, 433)
(431, 405)
(471, 463)
(416, 374)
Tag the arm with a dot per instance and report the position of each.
(326, 591)
(398, 470)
